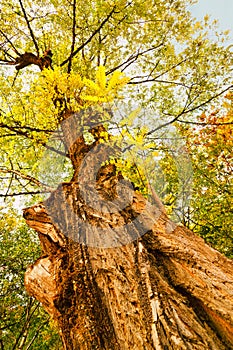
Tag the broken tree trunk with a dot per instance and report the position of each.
(117, 276)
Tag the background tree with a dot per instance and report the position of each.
(210, 145)
(174, 76)
(23, 322)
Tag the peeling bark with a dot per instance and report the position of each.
(165, 289)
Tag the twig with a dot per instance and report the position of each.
(204, 123)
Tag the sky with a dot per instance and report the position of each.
(218, 9)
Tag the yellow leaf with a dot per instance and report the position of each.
(101, 77)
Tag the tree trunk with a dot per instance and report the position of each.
(126, 278)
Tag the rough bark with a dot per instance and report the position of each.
(26, 59)
(165, 289)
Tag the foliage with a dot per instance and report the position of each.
(168, 70)
(55, 88)
(210, 147)
(161, 49)
(23, 323)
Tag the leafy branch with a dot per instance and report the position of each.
(186, 111)
(11, 44)
(19, 132)
(74, 53)
(31, 179)
(132, 58)
(30, 29)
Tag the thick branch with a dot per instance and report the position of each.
(29, 58)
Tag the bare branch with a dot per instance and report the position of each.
(6, 62)
(159, 81)
(30, 128)
(37, 333)
(155, 79)
(29, 313)
(10, 182)
(28, 58)
(209, 100)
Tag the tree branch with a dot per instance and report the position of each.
(27, 322)
(30, 29)
(73, 37)
(28, 58)
(133, 58)
(10, 42)
(37, 333)
(22, 193)
(159, 81)
(204, 123)
(190, 110)
(6, 62)
(159, 75)
(90, 38)
(10, 182)
(28, 136)
(28, 128)
(27, 177)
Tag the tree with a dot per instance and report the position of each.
(23, 322)
(115, 272)
(210, 144)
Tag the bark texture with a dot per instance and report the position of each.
(165, 289)
(28, 58)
